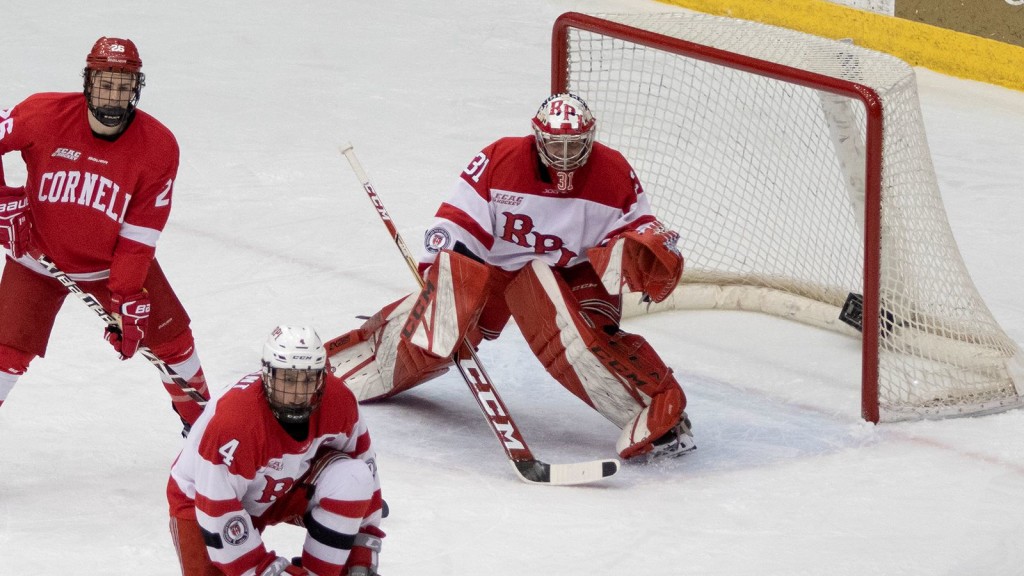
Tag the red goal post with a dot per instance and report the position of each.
(797, 171)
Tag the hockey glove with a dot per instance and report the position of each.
(15, 227)
(646, 260)
(276, 566)
(362, 561)
(133, 317)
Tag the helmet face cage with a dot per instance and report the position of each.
(113, 80)
(564, 130)
(294, 372)
(112, 95)
(293, 393)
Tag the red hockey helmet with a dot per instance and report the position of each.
(564, 129)
(113, 80)
(114, 55)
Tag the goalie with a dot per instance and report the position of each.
(545, 229)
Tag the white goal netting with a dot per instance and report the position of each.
(755, 143)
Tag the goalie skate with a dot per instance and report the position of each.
(674, 443)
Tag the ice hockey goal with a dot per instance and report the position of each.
(797, 170)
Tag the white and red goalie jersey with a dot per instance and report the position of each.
(508, 209)
(557, 250)
(238, 462)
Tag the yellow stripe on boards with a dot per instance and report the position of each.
(946, 51)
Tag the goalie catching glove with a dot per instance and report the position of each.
(646, 260)
(133, 319)
(15, 227)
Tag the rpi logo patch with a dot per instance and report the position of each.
(436, 239)
(236, 531)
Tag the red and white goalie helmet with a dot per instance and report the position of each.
(564, 128)
(294, 372)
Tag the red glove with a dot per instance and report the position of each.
(134, 320)
(15, 227)
(362, 561)
(646, 260)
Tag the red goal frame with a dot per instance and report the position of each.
(561, 82)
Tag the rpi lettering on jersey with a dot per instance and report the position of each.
(275, 488)
(84, 188)
(518, 229)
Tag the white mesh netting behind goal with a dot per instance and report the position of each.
(797, 171)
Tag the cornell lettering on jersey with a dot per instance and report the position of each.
(85, 188)
(97, 195)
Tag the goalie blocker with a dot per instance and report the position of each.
(569, 320)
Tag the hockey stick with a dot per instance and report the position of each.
(94, 305)
(528, 468)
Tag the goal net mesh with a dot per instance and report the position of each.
(764, 174)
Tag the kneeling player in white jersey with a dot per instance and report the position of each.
(546, 229)
(284, 445)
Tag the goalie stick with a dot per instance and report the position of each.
(528, 468)
(90, 301)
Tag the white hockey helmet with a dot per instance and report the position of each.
(564, 129)
(294, 372)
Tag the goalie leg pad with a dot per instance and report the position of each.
(352, 359)
(562, 338)
(603, 309)
(376, 362)
(453, 295)
(621, 376)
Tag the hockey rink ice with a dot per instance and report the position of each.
(270, 226)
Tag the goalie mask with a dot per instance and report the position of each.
(294, 371)
(564, 129)
(113, 80)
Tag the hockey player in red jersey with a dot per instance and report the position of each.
(100, 174)
(547, 229)
(284, 445)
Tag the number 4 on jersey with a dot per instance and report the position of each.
(228, 451)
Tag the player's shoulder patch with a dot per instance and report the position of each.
(437, 239)
(236, 531)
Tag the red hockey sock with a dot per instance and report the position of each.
(185, 405)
